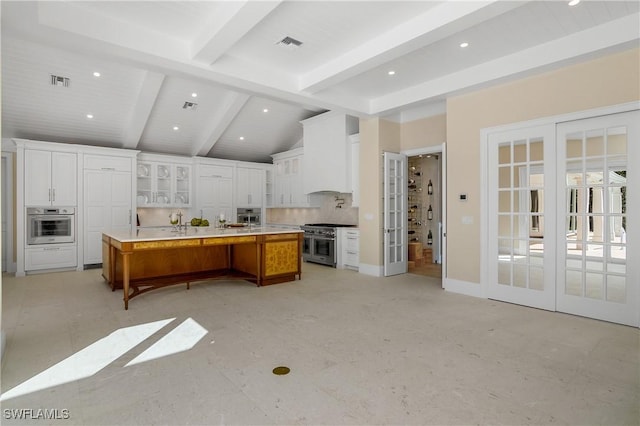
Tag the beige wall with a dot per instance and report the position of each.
(611, 80)
(423, 133)
(376, 136)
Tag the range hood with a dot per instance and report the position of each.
(327, 153)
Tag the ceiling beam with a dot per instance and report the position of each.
(142, 109)
(230, 107)
(433, 25)
(611, 36)
(233, 20)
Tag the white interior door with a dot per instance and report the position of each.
(599, 218)
(395, 214)
(521, 226)
(4, 205)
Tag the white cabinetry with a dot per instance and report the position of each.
(269, 194)
(108, 201)
(163, 183)
(288, 180)
(53, 257)
(348, 248)
(50, 178)
(355, 169)
(215, 191)
(250, 187)
(327, 152)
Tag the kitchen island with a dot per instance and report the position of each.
(148, 259)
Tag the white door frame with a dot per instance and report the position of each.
(484, 134)
(442, 151)
(7, 189)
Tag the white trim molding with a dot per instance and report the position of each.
(373, 270)
(463, 287)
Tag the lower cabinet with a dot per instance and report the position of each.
(53, 257)
(348, 249)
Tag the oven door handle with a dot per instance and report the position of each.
(41, 217)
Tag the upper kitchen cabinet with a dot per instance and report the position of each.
(288, 180)
(163, 181)
(327, 152)
(50, 178)
(250, 186)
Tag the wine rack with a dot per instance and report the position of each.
(414, 215)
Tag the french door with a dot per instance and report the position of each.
(599, 218)
(562, 211)
(521, 226)
(395, 214)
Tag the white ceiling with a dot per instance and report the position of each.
(152, 55)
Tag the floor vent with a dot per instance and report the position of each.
(57, 80)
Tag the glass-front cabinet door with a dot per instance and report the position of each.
(163, 184)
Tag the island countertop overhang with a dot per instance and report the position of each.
(154, 234)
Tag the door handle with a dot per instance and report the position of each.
(54, 194)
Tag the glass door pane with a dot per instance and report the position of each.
(518, 227)
(594, 278)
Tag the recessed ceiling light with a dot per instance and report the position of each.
(241, 138)
(194, 95)
(265, 110)
(89, 116)
(574, 2)
(176, 128)
(96, 74)
(464, 44)
(391, 72)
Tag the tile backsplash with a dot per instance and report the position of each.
(327, 212)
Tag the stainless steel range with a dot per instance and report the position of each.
(320, 242)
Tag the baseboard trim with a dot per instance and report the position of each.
(463, 287)
(374, 270)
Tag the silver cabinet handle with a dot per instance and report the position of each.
(129, 216)
(54, 194)
(52, 248)
(249, 198)
(49, 194)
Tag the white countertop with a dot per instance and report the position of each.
(166, 233)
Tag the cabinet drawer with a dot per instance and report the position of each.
(216, 171)
(351, 260)
(104, 162)
(50, 258)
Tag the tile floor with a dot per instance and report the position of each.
(362, 350)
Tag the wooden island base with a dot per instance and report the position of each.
(141, 266)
